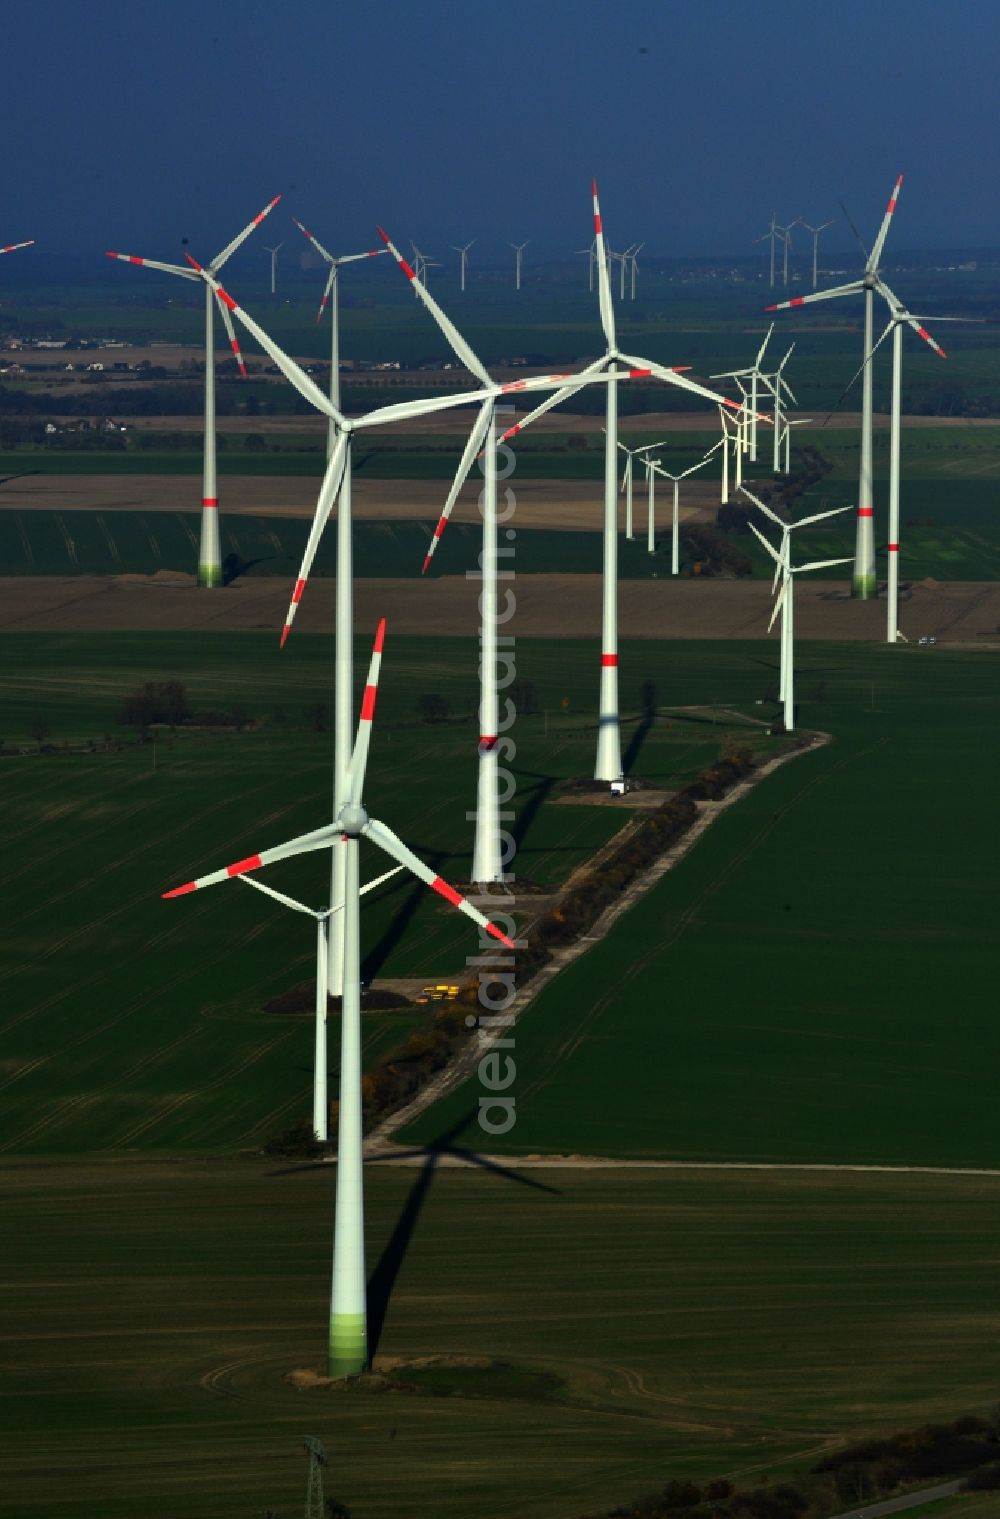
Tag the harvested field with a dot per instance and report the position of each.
(549, 606)
(569, 505)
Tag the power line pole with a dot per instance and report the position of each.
(314, 1488)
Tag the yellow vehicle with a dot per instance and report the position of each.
(440, 993)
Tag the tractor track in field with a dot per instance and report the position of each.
(379, 1143)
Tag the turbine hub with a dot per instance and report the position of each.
(352, 820)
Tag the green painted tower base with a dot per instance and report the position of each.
(348, 1344)
(864, 587)
(209, 574)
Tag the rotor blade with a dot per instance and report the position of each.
(324, 506)
(872, 265)
(455, 339)
(319, 838)
(603, 278)
(13, 247)
(818, 564)
(355, 779)
(279, 896)
(779, 600)
(292, 372)
(760, 350)
(819, 516)
(769, 546)
(386, 875)
(859, 372)
(761, 506)
(856, 288)
(132, 258)
(393, 846)
(466, 462)
(555, 400)
(326, 291)
(241, 237)
(401, 410)
(857, 234)
(314, 240)
(673, 377)
(227, 322)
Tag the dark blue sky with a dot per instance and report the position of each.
(131, 125)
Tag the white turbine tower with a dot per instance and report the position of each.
(518, 260)
(675, 531)
(323, 918)
(899, 318)
(343, 716)
(785, 571)
(463, 260)
(591, 261)
(209, 553)
(274, 265)
(772, 236)
(348, 1342)
(608, 765)
(489, 854)
(864, 582)
(633, 259)
(815, 231)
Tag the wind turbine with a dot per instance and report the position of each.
(608, 764)
(274, 265)
(339, 463)
(518, 259)
(899, 318)
(488, 853)
(815, 237)
(786, 237)
(786, 603)
(209, 553)
(772, 235)
(343, 723)
(776, 384)
(348, 1343)
(324, 919)
(675, 533)
(755, 376)
(864, 582)
(633, 258)
(463, 255)
(630, 454)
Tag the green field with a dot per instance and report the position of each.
(131, 1022)
(815, 982)
(698, 1324)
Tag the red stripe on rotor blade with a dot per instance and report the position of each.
(110, 253)
(636, 374)
(426, 563)
(379, 636)
(799, 300)
(497, 933)
(284, 634)
(410, 275)
(609, 659)
(227, 299)
(440, 527)
(252, 862)
(133, 259)
(866, 511)
(181, 891)
(368, 704)
(597, 223)
(300, 586)
(444, 890)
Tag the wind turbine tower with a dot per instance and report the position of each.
(815, 237)
(518, 260)
(463, 254)
(274, 266)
